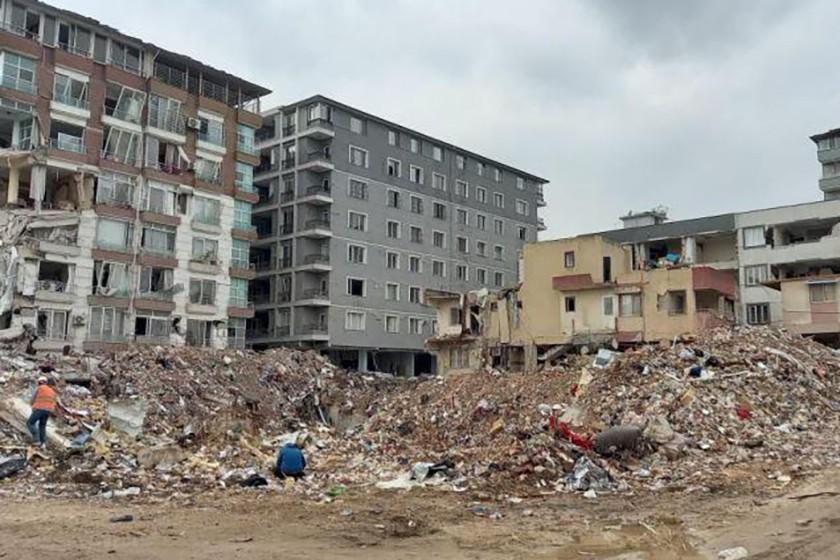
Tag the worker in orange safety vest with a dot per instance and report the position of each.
(44, 404)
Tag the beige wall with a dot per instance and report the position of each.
(802, 315)
(657, 322)
(444, 307)
(717, 249)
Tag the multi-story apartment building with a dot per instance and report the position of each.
(126, 182)
(358, 216)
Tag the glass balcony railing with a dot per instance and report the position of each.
(68, 144)
(171, 121)
(77, 102)
(18, 83)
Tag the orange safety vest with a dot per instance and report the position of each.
(45, 398)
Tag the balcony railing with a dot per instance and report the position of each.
(68, 144)
(214, 91)
(19, 84)
(318, 223)
(319, 155)
(288, 163)
(158, 251)
(266, 166)
(284, 297)
(168, 168)
(314, 329)
(171, 76)
(127, 159)
(287, 196)
(288, 130)
(315, 293)
(71, 101)
(286, 229)
(56, 286)
(119, 195)
(171, 121)
(316, 259)
(18, 30)
(157, 295)
(322, 123)
(262, 264)
(318, 189)
(284, 262)
(127, 65)
(245, 145)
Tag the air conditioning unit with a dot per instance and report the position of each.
(194, 123)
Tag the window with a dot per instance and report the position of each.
(106, 323)
(416, 205)
(676, 303)
(212, 129)
(240, 250)
(498, 279)
(52, 324)
(70, 90)
(393, 138)
(415, 234)
(498, 226)
(481, 275)
(755, 275)
(415, 174)
(392, 229)
(498, 252)
(521, 207)
(754, 237)
(481, 248)
(242, 215)
(392, 324)
(608, 306)
(394, 167)
(497, 175)
(414, 145)
(481, 194)
(245, 138)
(358, 156)
(439, 181)
(245, 177)
(202, 292)
(439, 239)
(522, 233)
(25, 22)
(19, 72)
(462, 244)
(72, 38)
(120, 145)
(569, 259)
(206, 210)
(354, 321)
(356, 254)
(414, 294)
(439, 210)
(165, 114)
(758, 313)
(415, 265)
(461, 273)
(462, 217)
(439, 269)
(630, 305)
(208, 170)
(199, 332)
(110, 279)
(236, 329)
(357, 125)
(238, 292)
(125, 56)
(415, 325)
(820, 292)
(115, 189)
(124, 103)
(158, 240)
(479, 168)
(459, 358)
(498, 200)
(205, 250)
(392, 260)
(437, 153)
(481, 222)
(462, 189)
(393, 198)
(459, 161)
(150, 325)
(356, 287)
(357, 189)
(114, 235)
(520, 183)
(392, 291)
(319, 111)
(356, 221)
(570, 304)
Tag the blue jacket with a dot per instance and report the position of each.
(290, 460)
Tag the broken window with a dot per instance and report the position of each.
(164, 156)
(106, 324)
(212, 129)
(53, 276)
(24, 21)
(676, 303)
(114, 235)
(570, 304)
(355, 287)
(202, 292)
(630, 305)
(199, 333)
(208, 170)
(115, 189)
(125, 56)
(124, 103)
(455, 316)
(152, 326)
(67, 136)
(236, 332)
(73, 38)
(158, 240)
(120, 145)
(394, 167)
(156, 283)
(52, 324)
(70, 90)
(110, 279)
(205, 250)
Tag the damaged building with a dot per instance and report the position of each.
(126, 183)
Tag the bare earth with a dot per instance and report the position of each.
(372, 524)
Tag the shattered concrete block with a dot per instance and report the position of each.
(127, 416)
(164, 455)
(659, 430)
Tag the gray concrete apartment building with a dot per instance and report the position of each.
(358, 216)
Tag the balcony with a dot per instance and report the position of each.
(540, 198)
(320, 129)
(316, 263)
(541, 224)
(246, 145)
(119, 195)
(261, 298)
(284, 297)
(126, 159)
(284, 262)
(314, 297)
(288, 130)
(168, 121)
(286, 229)
(68, 144)
(18, 84)
(152, 339)
(157, 295)
(287, 163)
(70, 101)
(318, 194)
(21, 31)
(319, 161)
(168, 168)
(266, 166)
(287, 196)
(317, 228)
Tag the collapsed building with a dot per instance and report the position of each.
(126, 185)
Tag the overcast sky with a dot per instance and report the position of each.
(703, 107)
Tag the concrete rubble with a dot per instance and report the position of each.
(156, 421)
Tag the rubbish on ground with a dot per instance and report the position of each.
(122, 518)
(736, 553)
(617, 438)
(11, 465)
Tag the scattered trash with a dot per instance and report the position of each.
(11, 465)
(125, 518)
(736, 553)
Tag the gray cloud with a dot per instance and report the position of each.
(704, 107)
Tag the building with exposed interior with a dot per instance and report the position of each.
(359, 215)
(126, 183)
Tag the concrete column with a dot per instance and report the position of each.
(14, 185)
(363, 360)
(690, 249)
(38, 184)
(408, 364)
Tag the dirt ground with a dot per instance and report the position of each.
(364, 523)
